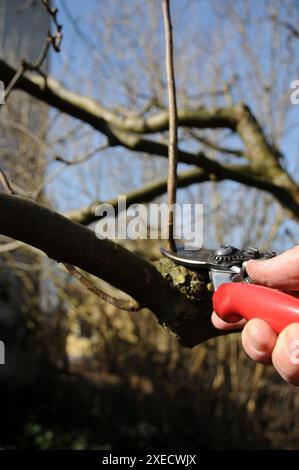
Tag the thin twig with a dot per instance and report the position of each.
(84, 159)
(11, 188)
(14, 80)
(173, 134)
(5, 183)
(130, 306)
(37, 191)
(214, 146)
(56, 38)
(229, 85)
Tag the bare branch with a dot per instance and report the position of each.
(6, 183)
(14, 80)
(214, 146)
(173, 132)
(130, 306)
(86, 215)
(84, 159)
(56, 38)
(106, 121)
(265, 171)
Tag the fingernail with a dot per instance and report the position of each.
(245, 263)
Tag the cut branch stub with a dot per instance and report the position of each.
(195, 320)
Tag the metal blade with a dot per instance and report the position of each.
(196, 258)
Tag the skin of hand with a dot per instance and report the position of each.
(260, 342)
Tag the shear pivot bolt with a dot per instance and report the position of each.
(225, 250)
(237, 278)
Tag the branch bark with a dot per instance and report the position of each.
(178, 297)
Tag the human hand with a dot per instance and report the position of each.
(259, 340)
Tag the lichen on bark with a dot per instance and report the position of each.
(192, 284)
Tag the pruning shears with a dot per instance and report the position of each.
(235, 294)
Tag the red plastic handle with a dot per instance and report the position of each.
(234, 300)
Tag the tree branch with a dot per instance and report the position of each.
(86, 215)
(264, 171)
(85, 158)
(129, 306)
(214, 146)
(181, 303)
(6, 183)
(237, 118)
(173, 132)
(100, 118)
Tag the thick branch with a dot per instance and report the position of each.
(92, 112)
(174, 302)
(274, 180)
(241, 173)
(264, 172)
(237, 118)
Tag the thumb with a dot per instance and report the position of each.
(281, 272)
